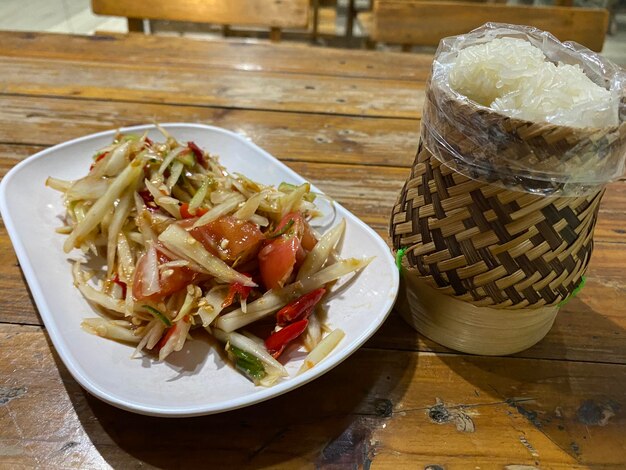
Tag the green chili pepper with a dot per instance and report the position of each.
(247, 363)
(158, 315)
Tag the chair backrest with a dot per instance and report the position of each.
(425, 23)
(270, 13)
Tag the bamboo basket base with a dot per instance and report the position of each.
(467, 328)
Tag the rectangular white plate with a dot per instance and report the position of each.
(194, 381)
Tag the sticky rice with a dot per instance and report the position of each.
(515, 78)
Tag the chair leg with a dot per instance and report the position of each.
(135, 25)
(274, 34)
(315, 7)
(369, 44)
(350, 13)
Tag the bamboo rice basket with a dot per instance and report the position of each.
(488, 262)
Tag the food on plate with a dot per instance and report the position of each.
(186, 245)
(514, 77)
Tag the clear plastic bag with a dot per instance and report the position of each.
(535, 157)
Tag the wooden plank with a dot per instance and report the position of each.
(378, 408)
(234, 54)
(276, 13)
(231, 89)
(305, 137)
(426, 23)
(612, 223)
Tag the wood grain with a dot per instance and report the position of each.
(427, 22)
(373, 409)
(275, 13)
(221, 88)
(233, 54)
(309, 137)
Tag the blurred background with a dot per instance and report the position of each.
(337, 23)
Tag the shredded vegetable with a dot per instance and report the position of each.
(191, 247)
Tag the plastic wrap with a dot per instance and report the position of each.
(535, 157)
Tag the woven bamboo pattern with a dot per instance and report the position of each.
(488, 245)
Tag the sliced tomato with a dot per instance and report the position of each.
(308, 239)
(171, 280)
(300, 227)
(282, 255)
(296, 225)
(230, 238)
(277, 261)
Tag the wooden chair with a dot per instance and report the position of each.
(425, 23)
(324, 18)
(275, 14)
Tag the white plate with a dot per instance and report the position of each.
(195, 381)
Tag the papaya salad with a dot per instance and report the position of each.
(186, 245)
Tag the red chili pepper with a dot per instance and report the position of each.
(168, 334)
(98, 158)
(148, 200)
(122, 284)
(197, 151)
(299, 308)
(236, 288)
(185, 214)
(277, 342)
(164, 338)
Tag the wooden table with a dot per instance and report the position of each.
(348, 121)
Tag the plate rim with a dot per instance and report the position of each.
(66, 356)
